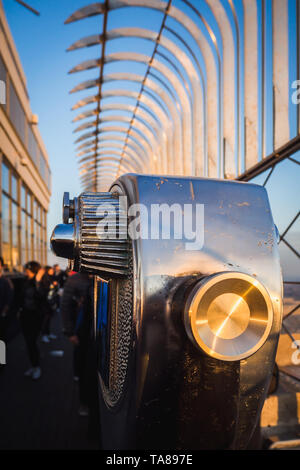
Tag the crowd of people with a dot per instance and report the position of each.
(39, 300)
(44, 293)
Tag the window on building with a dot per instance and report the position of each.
(3, 80)
(32, 146)
(22, 222)
(29, 208)
(43, 168)
(16, 112)
(15, 235)
(14, 187)
(6, 230)
(10, 220)
(29, 227)
(23, 197)
(24, 238)
(5, 178)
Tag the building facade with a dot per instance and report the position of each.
(25, 176)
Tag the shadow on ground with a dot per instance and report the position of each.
(41, 414)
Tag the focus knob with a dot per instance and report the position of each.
(68, 208)
(96, 239)
(63, 241)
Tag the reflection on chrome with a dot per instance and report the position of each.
(229, 315)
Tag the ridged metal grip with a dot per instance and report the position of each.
(94, 234)
(103, 245)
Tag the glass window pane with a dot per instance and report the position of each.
(43, 168)
(15, 244)
(14, 214)
(5, 219)
(24, 237)
(38, 213)
(29, 203)
(16, 112)
(23, 197)
(44, 218)
(3, 95)
(36, 242)
(32, 146)
(5, 177)
(14, 188)
(6, 231)
(29, 237)
(35, 209)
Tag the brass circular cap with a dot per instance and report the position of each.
(228, 315)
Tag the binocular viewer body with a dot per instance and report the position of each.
(188, 307)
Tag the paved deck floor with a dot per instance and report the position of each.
(41, 414)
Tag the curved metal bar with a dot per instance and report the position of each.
(113, 149)
(107, 172)
(125, 93)
(85, 136)
(154, 107)
(186, 22)
(85, 85)
(214, 95)
(175, 133)
(214, 88)
(145, 34)
(119, 118)
(181, 93)
(85, 125)
(171, 106)
(212, 60)
(135, 135)
(172, 129)
(105, 176)
(114, 154)
(86, 155)
(100, 148)
(87, 41)
(114, 138)
(86, 12)
(146, 117)
(128, 32)
(110, 174)
(110, 130)
(200, 110)
(86, 144)
(151, 119)
(176, 85)
(228, 74)
(129, 168)
(85, 102)
(133, 145)
(104, 163)
(147, 134)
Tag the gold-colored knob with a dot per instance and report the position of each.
(228, 315)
